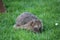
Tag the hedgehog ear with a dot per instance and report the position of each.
(32, 23)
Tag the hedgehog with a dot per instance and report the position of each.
(28, 21)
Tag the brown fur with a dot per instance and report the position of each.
(28, 21)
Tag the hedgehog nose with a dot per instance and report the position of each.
(36, 29)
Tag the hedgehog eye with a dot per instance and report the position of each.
(38, 22)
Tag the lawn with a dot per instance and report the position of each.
(47, 10)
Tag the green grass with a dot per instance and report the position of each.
(47, 10)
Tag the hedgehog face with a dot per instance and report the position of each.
(36, 26)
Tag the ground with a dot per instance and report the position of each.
(47, 10)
